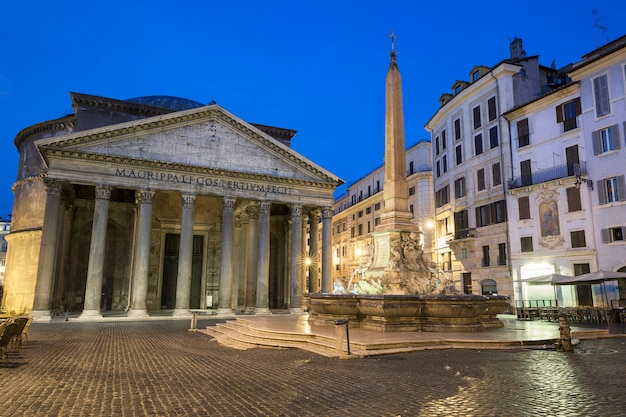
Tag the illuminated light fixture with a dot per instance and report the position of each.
(580, 180)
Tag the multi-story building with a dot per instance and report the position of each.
(471, 151)
(567, 194)
(358, 210)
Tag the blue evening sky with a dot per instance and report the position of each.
(317, 67)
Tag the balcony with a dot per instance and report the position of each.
(464, 234)
(545, 175)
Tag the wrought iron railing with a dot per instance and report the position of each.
(544, 175)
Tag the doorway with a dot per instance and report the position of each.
(170, 271)
(467, 282)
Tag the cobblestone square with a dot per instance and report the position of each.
(159, 368)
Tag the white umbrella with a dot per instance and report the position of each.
(546, 279)
(598, 277)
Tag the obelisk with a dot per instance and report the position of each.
(396, 215)
(395, 226)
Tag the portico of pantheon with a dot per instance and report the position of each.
(163, 204)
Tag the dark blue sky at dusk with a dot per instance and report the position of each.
(317, 67)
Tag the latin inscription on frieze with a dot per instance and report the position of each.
(148, 175)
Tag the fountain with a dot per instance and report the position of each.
(395, 287)
(408, 295)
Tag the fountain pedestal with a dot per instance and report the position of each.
(405, 313)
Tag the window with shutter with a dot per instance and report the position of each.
(613, 234)
(601, 95)
(605, 140)
(523, 204)
(611, 190)
(578, 239)
(480, 179)
(486, 260)
(523, 133)
(476, 114)
(573, 199)
(491, 108)
(459, 187)
(478, 144)
(493, 137)
(527, 244)
(566, 113)
(527, 176)
(497, 178)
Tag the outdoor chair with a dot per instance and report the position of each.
(21, 324)
(10, 331)
(24, 333)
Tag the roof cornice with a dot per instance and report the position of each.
(182, 118)
(51, 152)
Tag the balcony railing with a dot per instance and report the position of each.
(544, 175)
(464, 233)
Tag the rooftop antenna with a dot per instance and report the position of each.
(601, 30)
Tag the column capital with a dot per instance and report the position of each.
(316, 215)
(265, 207)
(53, 186)
(103, 192)
(327, 213)
(253, 210)
(229, 202)
(296, 210)
(145, 197)
(244, 218)
(188, 199)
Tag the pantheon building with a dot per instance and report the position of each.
(160, 204)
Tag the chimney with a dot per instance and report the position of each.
(516, 49)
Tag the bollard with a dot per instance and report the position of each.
(566, 334)
(339, 332)
(194, 321)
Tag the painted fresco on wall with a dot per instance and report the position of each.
(549, 218)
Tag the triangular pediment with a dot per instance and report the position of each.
(206, 139)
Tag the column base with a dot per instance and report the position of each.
(181, 312)
(262, 311)
(87, 315)
(225, 312)
(296, 310)
(138, 313)
(41, 316)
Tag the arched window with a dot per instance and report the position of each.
(489, 287)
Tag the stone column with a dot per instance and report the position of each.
(185, 257)
(241, 267)
(295, 277)
(97, 249)
(303, 239)
(47, 252)
(141, 264)
(226, 260)
(263, 263)
(314, 276)
(252, 256)
(327, 250)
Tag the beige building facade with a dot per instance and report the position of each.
(160, 203)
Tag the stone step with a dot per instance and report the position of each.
(243, 334)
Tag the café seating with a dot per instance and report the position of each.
(9, 332)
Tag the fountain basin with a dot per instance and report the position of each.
(389, 313)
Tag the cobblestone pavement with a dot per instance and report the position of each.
(158, 368)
